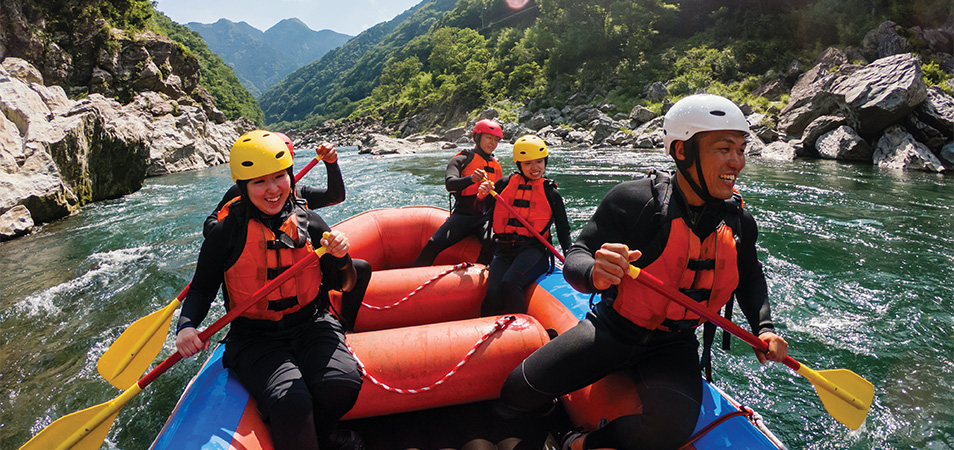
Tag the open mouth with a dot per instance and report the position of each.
(728, 178)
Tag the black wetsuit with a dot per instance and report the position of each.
(316, 198)
(470, 216)
(298, 369)
(664, 365)
(519, 260)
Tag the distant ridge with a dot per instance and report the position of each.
(262, 59)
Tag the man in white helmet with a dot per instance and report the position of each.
(686, 228)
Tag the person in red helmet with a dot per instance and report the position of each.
(465, 171)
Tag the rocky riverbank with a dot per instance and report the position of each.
(58, 154)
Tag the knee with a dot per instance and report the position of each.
(292, 407)
(517, 392)
(362, 267)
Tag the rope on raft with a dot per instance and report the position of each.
(500, 324)
(463, 265)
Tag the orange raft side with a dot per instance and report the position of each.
(611, 397)
(452, 294)
(413, 358)
(392, 238)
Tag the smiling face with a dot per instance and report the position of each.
(488, 143)
(722, 157)
(269, 192)
(533, 169)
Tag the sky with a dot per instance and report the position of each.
(350, 17)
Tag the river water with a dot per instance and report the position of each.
(859, 263)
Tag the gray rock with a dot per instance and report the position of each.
(640, 115)
(816, 129)
(883, 92)
(15, 222)
(59, 154)
(656, 92)
(843, 143)
(779, 151)
(884, 41)
(897, 149)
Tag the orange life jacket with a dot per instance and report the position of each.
(706, 270)
(530, 201)
(492, 168)
(263, 259)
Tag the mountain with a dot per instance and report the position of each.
(328, 87)
(261, 59)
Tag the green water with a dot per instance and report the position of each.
(859, 263)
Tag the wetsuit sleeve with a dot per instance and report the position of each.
(334, 194)
(752, 293)
(214, 217)
(453, 180)
(560, 219)
(208, 277)
(614, 221)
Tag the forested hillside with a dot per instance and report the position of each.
(481, 53)
(329, 86)
(214, 75)
(261, 59)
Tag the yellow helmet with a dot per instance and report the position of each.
(258, 153)
(529, 148)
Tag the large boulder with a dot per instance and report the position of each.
(897, 149)
(882, 92)
(58, 154)
(870, 98)
(843, 143)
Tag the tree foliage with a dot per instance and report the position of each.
(474, 53)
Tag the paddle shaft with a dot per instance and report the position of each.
(650, 281)
(304, 170)
(526, 225)
(207, 333)
(112, 407)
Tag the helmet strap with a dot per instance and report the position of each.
(691, 152)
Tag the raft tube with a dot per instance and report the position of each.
(215, 411)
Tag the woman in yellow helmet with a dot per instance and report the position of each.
(519, 257)
(287, 350)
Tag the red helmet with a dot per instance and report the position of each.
(488, 126)
(287, 140)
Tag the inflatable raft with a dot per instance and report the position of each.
(433, 368)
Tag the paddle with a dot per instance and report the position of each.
(87, 429)
(527, 225)
(301, 173)
(132, 353)
(846, 395)
(135, 349)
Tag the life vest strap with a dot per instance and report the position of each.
(520, 203)
(525, 187)
(679, 326)
(273, 272)
(696, 265)
(282, 303)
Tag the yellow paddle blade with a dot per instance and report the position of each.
(82, 430)
(846, 395)
(132, 353)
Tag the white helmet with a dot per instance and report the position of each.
(698, 113)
